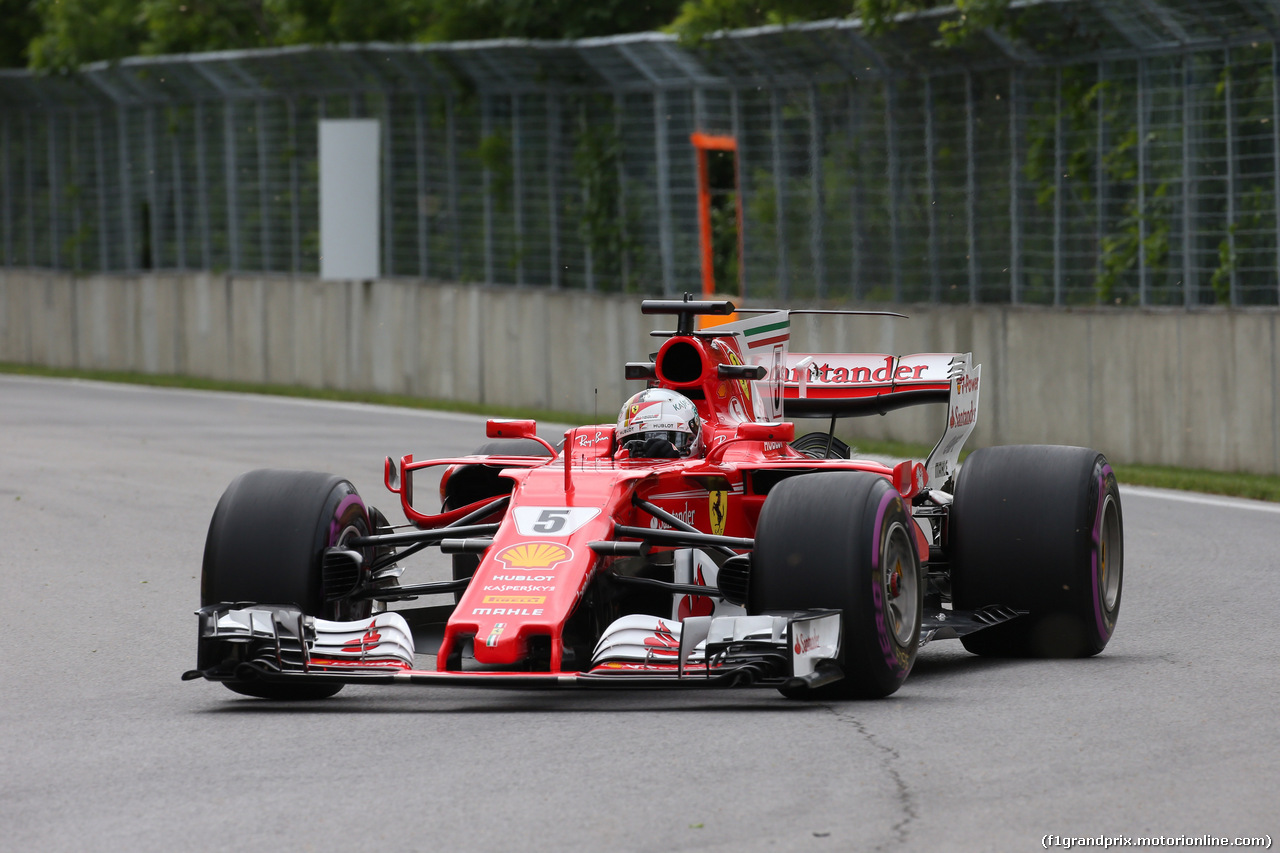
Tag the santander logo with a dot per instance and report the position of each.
(806, 643)
(959, 418)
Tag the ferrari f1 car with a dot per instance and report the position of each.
(696, 543)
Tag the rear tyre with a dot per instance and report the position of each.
(1038, 528)
(842, 539)
(471, 483)
(266, 544)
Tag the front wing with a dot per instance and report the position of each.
(279, 644)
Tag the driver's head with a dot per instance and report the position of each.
(660, 424)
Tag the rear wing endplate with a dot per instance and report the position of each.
(962, 416)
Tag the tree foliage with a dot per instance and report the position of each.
(464, 20)
(63, 34)
(21, 24)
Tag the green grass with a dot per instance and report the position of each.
(1263, 487)
(1258, 486)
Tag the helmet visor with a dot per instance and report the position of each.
(683, 441)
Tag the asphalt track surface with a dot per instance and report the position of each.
(105, 496)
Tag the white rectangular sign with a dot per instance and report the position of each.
(349, 184)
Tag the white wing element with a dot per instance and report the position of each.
(381, 640)
(692, 566)
(642, 640)
(962, 416)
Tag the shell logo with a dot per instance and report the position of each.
(535, 555)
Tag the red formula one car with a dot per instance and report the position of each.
(695, 543)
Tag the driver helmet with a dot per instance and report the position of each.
(659, 413)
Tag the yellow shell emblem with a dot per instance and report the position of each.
(534, 555)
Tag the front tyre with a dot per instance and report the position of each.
(842, 539)
(266, 545)
(1039, 528)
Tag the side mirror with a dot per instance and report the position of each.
(785, 431)
(504, 428)
(402, 486)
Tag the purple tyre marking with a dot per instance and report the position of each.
(1103, 631)
(334, 532)
(877, 592)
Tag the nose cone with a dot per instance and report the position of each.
(520, 593)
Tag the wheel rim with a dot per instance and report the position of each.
(1110, 555)
(901, 585)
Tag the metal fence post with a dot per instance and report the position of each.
(153, 188)
(1015, 216)
(740, 186)
(295, 235)
(517, 185)
(487, 186)
(202, 190)
(818, 213)
(855, 197)
(971, 189)
(665, 246)
(625, 261)
(779, 185)
(931, 189)
(553, 201)
(388, 188)
(1233, 290)
(264, 186)
(179, 206)
(589, 271)
(100, 163)
(233, 200)
(1100, 176)
(28, 185)
(55, 236)
(1057, 188)
(420, 168)
(451, 155)
(1190, 294)
(1275, 154)
(73, 180)
(126, 193)
(1142, 180)
(6, 187)
(895, 185)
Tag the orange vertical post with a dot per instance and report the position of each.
(702, 143)
(704, 225)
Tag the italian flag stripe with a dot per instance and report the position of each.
(765, 342)
(784, 326)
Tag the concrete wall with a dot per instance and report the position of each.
(1197, 389)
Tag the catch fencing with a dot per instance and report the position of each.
(1111, 151)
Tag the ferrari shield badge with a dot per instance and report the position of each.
(719, 512)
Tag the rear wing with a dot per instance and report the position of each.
(824, 385)
(847, 385)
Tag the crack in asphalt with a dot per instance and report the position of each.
(888, 763)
